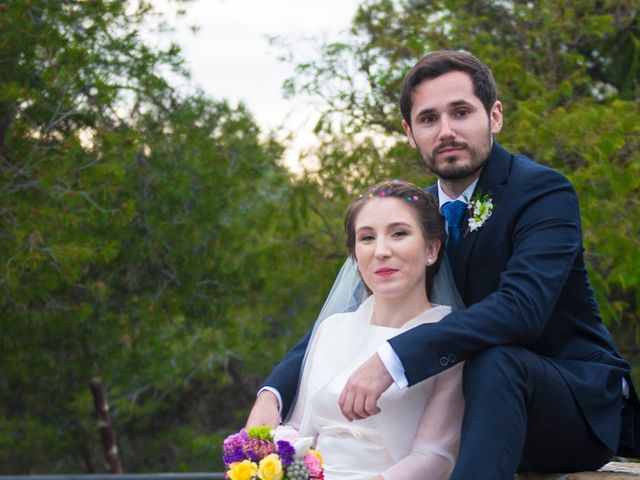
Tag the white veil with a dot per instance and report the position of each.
(347, 292)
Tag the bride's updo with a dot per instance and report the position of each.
(423, 204)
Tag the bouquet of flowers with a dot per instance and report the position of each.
(271, 454)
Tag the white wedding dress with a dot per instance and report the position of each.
(417, 433)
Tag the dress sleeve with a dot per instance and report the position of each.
(437, 441)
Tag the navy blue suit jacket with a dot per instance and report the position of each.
(523, 279)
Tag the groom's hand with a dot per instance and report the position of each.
(265, 411)
(359, 398)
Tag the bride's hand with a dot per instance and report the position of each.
(265, 411)
(359, 398)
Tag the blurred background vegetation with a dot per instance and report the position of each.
(154, 239)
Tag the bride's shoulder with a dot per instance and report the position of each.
(432, 315)
(337, 320)
(438, 312)
(441, 310)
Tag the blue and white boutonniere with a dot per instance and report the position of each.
(480, 209)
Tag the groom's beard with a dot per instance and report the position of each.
(453, 170)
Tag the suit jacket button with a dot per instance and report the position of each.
(443, 361)
(451, 358)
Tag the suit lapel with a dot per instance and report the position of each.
(433, 190)
(492, 181)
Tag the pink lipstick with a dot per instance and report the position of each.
(385, 272)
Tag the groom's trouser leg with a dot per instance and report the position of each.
(521, 416)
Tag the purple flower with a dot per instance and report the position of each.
(286, 452)
(236, 455)
(235, 441)
(253, 456)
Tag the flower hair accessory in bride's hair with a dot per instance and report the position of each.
(271, 454)
(391, 188)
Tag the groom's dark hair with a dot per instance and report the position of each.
(439, 62)
(422, 203)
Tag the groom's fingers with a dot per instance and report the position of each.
(371, 406)
(358, 402)
(358, 407)
(359, 398)
(345, 402)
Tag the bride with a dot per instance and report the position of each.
(394, 233)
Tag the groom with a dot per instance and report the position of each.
(545, 387)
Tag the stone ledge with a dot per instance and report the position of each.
(611, 471)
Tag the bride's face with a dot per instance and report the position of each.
(390, 248)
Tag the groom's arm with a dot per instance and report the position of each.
(546, 238)
(282, 382)
(284, 377)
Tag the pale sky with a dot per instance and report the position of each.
(230, 56)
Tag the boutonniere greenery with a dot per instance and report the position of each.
(480, 209)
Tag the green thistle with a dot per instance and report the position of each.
(263, 433)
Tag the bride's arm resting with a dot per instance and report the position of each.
(265, 411)
(437, 441)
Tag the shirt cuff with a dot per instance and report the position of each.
(393, 365)
(276, 393)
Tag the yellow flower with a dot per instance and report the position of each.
(317, 454)
(244, 470)
(270, 468)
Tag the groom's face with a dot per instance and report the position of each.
(450, 126)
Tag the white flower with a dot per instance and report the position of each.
(302, 446)
(289, 434)
(481, 209)
(473, 225)
(286, 433)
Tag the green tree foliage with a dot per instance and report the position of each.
(147, 238)
(153, 239)
(568, 73)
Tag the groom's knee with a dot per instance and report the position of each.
(495, 366)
